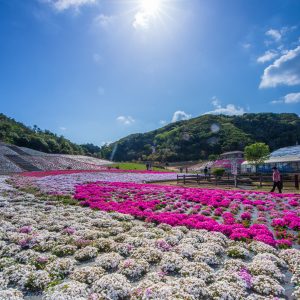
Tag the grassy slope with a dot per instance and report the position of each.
(136, 166)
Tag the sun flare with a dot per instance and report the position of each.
(151, 7)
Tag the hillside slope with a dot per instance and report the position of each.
(208, 134)
(14, 159)
(16, 133)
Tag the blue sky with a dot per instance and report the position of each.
(98, 70)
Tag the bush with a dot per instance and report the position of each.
(218, 172)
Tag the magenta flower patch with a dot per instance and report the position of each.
(241, 215)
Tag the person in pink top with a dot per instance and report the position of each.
(276, 180)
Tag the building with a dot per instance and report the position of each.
(286, 159)
(232, 155)
(229, 161)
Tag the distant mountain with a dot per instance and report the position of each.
(17, 133)
(205, 135)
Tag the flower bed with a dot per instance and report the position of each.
(64, 182)
(55, 173)
(241, 215)
(51, 251)
(103, 169)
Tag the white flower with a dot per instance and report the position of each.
(86, 253)
(207, 256)
(197, 269)
(171, 262)
(109, 261)
(133, 269)
(113, 286)
(259, 247)
(265, 267)
(269, 256)
(87, 274)
(150, 254)
(60, 268)
(215, 247)
(154, 291)
(193, 286)
(68, 291)
(267, 286)
(3, 282)
(227, 291)
(18, 274)
(37, 280)
(237, 252)
(11, 294)
(185, 250)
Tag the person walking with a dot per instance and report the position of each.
(205, 172)
(276, 180)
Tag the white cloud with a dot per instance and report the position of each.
(246, 45)
(215, 102)
(276, 35)
(229, 109)
(141, 20)
(106, 143)
(104, 20)
(62, 128)
(291, 98)
(148, 11)
(125, 120)
(284, 71)
(163, 122)
(276, 101)
(180, 115)
(267, 56)
(62, 5)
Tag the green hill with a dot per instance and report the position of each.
(16, 133)
(205, 135)
(181, 141)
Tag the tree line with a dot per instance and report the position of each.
(13, 132)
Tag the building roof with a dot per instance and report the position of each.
(232, 152)
(286, 151)
(279, 159)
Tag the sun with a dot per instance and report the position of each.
(151, 7)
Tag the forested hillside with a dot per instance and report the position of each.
(205, 135)
(16, 133)
(181, 141)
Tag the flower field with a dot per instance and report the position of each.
(269, 218)
(64, 182)
(142, 241)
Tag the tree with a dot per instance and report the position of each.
(213, 157)
(53, 145)
(256, 154)
(38, 143)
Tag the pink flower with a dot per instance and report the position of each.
(246, 276)
(246, 216)
(194, 208)
(284, 243)
(265, 239)
(25, 229)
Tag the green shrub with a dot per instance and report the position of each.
(218, 172)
